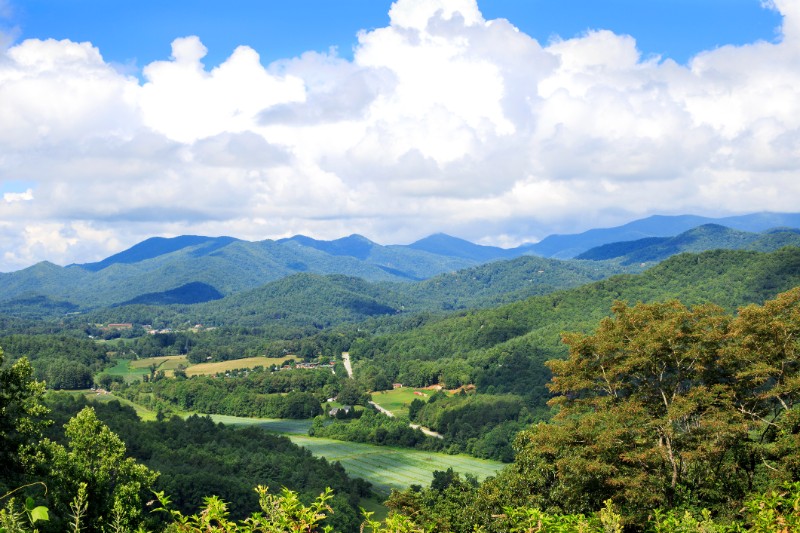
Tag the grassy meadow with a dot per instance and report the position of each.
(225, 366)
(398, 400)
(134, 370)
(123, 368)
(390, 468)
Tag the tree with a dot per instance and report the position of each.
(765, 357)
(21, 417)
(94, 462)
(662, 406)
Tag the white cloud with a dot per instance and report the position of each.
(11, 197)
(443, 121)
(185, 102)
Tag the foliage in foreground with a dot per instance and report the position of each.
(774, 512)
(667, 407)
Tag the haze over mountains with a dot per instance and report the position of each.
(196, 269)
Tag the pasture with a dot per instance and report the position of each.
(398, 400)
(134, 370)
(123, 368)
(283, 426)
(390, 468)
(167, 363)
(226, 366)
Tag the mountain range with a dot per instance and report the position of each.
(194, 269)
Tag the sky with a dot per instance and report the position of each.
(497, 121)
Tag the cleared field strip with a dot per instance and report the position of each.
(134, 370)
(398, 400)
(225, 366)
(274, 425)
(164, 362)
(393, 468)
(123, 368)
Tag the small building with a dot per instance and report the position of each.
(397, 385)
(343, 410)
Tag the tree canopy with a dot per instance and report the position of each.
(665, 406)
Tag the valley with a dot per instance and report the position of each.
(418, 388)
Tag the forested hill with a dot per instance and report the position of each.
(699, 239)
(314, 300)
(225, 264)
(502, 349)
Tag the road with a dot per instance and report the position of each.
(429, 432)
(423, 429)
(347, 366)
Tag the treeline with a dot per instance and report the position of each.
(296, 393)
(373, 428)
(482, 425)
(61, 361)
(210, 396)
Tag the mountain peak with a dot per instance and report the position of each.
(156, 246)
(444, 244)
(354, 245)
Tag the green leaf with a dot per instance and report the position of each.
(29, 504)
(39, 513)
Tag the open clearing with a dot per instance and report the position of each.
(393, 468)
(225, 366)
(123, 368)
(283, 426)
(398, 400)
(385, 467)
(164, 362)
(134, 370)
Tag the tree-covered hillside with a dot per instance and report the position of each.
(699, 239)
(503, 349)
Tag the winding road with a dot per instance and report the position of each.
(349, 368)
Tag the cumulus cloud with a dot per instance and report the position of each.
(442, 121)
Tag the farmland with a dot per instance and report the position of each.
(385, 467)
(226, 366)
(398, 400)
(283, 426)
(124, 369)
(393, 468)
(134, 370)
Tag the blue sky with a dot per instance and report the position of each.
(496, 121)
(139, 32)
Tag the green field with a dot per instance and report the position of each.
(224, 366)
(393, 468)
(123, 368)
(134, 370)
(398, 400)
(385, 467)
(283, 426)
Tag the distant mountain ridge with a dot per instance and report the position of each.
(699, 239)
(192, 268)
(156, 246)
(443, 244)
(570, 246)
